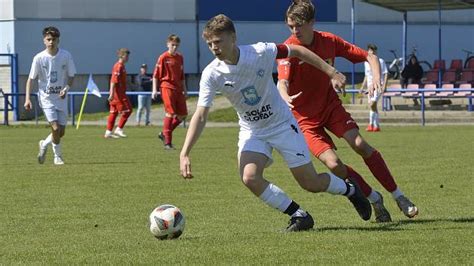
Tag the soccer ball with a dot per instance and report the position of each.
(166, 222)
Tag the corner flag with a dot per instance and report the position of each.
(92, 88)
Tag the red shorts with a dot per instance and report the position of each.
(174, 101)
(119, 106)
(338, 122)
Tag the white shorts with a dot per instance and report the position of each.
(53, 114)
(288, 141)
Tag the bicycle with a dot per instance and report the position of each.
(469, 57)
(396, 66)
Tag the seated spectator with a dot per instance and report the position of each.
(412, 72)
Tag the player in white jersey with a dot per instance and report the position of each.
(244, 75)
(54, 69)
(374, 123)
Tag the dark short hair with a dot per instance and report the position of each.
(372, 47)
(173, 38)
(143, 66)
(217, 25)
(50, 30)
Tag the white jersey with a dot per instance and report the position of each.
(250, 88)
(368, 72)
(52, 73)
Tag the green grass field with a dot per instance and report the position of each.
(94, 209)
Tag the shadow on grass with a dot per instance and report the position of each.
(398, 225)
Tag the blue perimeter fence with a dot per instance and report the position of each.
(386, 100)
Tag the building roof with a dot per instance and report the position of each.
(421, 5)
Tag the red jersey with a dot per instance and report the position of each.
(119, 77)
(169, 71)
(318, 97)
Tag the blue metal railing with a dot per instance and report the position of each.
(386, 100)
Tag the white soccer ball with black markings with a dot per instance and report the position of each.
(167, 222)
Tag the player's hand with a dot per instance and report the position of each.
(185, 167)
(154, 95)
(110, 98)
(374, 88)
(63, 92)
(338, 81)
(290, 99)
(28, 105)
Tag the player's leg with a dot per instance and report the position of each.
(254, 155)
(147, 109)
(125, 111)
(141, 103)
(339, 123)
(291, 145)
(181, 110)
(50, 115)
(111, 121)
(165, 135)
(375, 113)
(374, 161)
(251, 166)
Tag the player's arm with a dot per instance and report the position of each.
(156, 78)
(28, 104)
(66, 88)
(196, 125)
(112, 91)
(374, 64)
(338, 80)
(282, 86)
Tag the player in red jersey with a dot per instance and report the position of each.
(118, 100)
(169, 78)
(317, 107)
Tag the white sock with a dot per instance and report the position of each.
(275, 197)
(337, 186)
(57, 150)
(373, 197)
(376, 119)
(371, 117)
(397, 193)
(48, 140)
(108, 132)
(117, 129)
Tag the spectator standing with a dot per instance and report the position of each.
(144, 82)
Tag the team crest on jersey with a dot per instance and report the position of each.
(261, 72)
(53, 77)
(250, 95)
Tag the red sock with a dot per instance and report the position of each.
(123, 119)
(167, 124)
(380, 170)
(353, 175)
(175, 123)
(111, 121)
